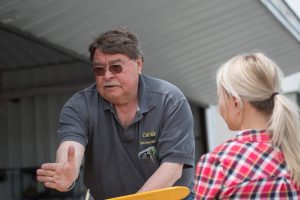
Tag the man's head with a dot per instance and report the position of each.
(118, 41)
(117, 62)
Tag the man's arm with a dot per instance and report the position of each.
(61, 174)
(165, 176)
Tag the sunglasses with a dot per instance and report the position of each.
(114, 69)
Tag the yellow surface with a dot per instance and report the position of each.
(171, 193)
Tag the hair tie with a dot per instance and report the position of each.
(273, 95)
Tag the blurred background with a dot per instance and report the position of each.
(44, 60)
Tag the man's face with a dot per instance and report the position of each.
(118, 81)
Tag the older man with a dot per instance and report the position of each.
(135, 131)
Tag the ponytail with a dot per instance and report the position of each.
(257, 79)
(285, 129)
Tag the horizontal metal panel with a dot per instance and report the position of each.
(184, 41)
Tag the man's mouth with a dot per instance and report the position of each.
(109, 86)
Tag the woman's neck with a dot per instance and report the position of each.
(254, 119)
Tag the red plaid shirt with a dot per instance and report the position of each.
(246, 167)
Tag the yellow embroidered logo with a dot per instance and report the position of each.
(148, 134)
(148, 137)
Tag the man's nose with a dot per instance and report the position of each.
(108, 74)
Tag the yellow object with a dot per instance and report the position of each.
(87, 196)
(170, 193)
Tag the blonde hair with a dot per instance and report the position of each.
(257, 80)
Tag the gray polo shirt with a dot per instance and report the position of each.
(115, 163)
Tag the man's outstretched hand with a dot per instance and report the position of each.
(59, 176)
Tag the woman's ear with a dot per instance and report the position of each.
(237, 105)
(235, 101)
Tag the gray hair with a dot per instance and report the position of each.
(120, 40)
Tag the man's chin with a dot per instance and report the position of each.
(112, 99)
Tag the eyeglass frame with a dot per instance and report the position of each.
(110, 67)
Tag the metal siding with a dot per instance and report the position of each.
(28, 129)
(184, 41)
(28, 141)
(18, 52)
(28, 138)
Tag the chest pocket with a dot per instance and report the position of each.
(148, 156)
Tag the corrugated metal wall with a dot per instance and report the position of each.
(28, 137)
(28, 132)
(31, 100)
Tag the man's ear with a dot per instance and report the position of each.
(139, 65)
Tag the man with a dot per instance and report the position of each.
(135, 131)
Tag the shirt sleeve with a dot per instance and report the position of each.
(176, 141)
(73, 121)
(208, 178)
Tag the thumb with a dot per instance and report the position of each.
(71, 154)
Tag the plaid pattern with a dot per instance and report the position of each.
(246, 167)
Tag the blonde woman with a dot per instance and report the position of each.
(263, 160)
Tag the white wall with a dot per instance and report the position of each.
(291, 84)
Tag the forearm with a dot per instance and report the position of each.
(165, 176)
(62, 154)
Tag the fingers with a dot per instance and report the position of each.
(42, 172)
(51, 166)
(49, 179)
(50, 185)
(45, 179)
(46, 175)
(54, 185)
(54, 182)
(47, 172)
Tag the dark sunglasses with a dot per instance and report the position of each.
(114, 69)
